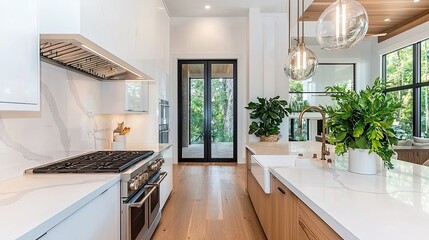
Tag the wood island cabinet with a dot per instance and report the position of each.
(311, 227)
(283, 208)
(283, 216)
(261, 203)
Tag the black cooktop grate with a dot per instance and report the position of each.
(96, 162)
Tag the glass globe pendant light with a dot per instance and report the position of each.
(301, 63)
(342, 25)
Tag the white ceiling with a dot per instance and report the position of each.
(222, 8)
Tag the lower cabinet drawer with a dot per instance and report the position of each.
(311, 227)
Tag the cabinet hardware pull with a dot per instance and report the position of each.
(281, 190)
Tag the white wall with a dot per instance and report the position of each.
(65, 125)
(267, 53)
(210, 38)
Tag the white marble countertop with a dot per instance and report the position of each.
(394, 204)
(31, 204)
(307, 148)
(157, 147)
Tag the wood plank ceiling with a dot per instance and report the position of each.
(401, 14)
(217, 70)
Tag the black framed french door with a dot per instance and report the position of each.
(207, 110)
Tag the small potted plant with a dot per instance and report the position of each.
(270, 114)
(361, 123)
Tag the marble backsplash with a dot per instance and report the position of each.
(66, 124)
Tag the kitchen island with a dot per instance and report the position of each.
(394, 204)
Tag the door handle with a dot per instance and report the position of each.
(162, 176)
(141, 202)
(281, 190)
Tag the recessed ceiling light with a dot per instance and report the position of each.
(416, 1)
(207, 7)
(387, 20)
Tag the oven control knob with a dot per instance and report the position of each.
(141, 179)
(133, 185)
(162, 160)
(153, 167)
(145, 176)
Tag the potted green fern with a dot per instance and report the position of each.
(268, 115)
(361, 124)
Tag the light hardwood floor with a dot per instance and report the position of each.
(209, 202)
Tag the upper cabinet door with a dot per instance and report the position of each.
(19, 55)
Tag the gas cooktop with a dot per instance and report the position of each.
(96, 162)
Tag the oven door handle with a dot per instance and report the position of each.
(161, 177)
(141, 202)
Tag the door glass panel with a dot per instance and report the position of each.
(192, 111)
(222, 110)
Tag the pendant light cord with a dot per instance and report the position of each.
(302, 22)
(297, 23)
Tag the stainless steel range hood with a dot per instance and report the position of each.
(75, 52)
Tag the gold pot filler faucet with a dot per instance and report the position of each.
(325, 151)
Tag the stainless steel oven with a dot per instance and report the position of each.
(141, 202)
(164, 121)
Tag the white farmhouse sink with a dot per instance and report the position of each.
(261, 163)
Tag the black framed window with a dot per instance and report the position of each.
(312, 92)
(406, 73)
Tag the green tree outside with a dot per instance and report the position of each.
(222, 103)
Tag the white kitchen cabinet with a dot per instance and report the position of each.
(19, 51)
(99, 219)
(167, 184)
(163, 50)
(163, 38)
(122, 97)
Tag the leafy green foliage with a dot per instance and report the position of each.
(222, 110)
(197, 110)
(298, 106)
(270, 114)
(363, 120)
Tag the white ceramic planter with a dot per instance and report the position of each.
(118, 142)
(360, 161)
